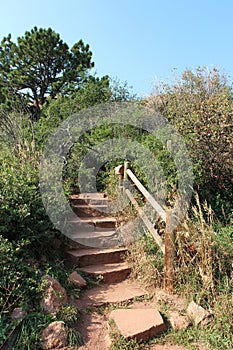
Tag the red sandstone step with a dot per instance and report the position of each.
(94, 234)
(96, 239)
(140, 324)
(111, 273)
(89, 198)
(90, 210)
(115, 293)
(89, 195)
(85, 257)
(105, 222)
(92, 201)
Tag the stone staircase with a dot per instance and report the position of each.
(93, 227)
(99, 253)
(107, 263)
(96, 232)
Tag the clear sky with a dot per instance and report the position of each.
(135, 41)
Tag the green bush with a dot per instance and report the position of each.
(23, 215)
(20, 276)
(199, 104)
(28, 331)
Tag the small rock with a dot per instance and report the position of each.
(140, 324)
(198, 314)
(54, 297)
(54, 336)
(178, 321)
(18, 313)
(77, 280)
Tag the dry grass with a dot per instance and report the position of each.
(204, 257)
(203, 263)
(203, 273)
(147, 263)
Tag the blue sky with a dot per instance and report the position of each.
(140, 42)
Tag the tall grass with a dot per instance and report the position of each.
(203, 273)
(204, 256)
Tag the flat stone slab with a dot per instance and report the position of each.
(140, 324)
(198, 314)
(111, 294)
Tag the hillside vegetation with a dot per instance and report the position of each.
(199, 104)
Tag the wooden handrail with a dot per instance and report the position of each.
(168, 248)
(146, 221)
(147, 195)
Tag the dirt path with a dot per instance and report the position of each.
(94, 330)
(93, 324)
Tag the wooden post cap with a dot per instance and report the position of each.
(119, 170)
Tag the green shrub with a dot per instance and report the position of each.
(20, 276)
(28, 331)
(199, 104)
(23, 215)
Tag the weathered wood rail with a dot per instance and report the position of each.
(168, 245)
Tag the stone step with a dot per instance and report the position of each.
(96, 240)
(94, 234)
(104, 222)
(140, 324)
(92, 201)
(89, 198)
(89, 195)
(115, 293)
(85, 257)
(85, 210)
(111, 273)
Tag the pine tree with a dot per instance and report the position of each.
(40, 64)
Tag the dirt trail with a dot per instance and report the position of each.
(93, 324)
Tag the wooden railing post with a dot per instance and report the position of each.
(169, 256)
(126, 167)
(119, 170)
(171, 219)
